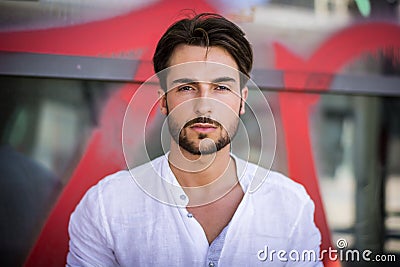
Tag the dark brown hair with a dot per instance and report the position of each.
(206, 30)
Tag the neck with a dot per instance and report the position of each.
(204, 178)
(200, 170)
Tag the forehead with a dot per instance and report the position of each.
(188, 53)
(196, 63)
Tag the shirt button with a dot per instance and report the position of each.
(211, 264)
(183, 197)
(190, 215)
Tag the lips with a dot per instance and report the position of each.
(202, 124)
(203, 127)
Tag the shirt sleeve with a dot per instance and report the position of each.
(306, 239)
(88, 245)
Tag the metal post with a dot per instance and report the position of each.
(369, 200)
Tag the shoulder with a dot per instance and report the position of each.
(265, 183)
(127, 179)
(117, 189)
(261, 180)
(281, 182)
(278, 201)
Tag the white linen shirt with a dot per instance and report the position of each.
(119, 222)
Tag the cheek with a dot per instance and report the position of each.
(228, 109)
(183, 132)
(228, 114)
(179, 105)
(179, 110)
(178, 118)
(231, 101)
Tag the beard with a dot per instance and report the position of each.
(180, 136)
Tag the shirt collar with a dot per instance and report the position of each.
(243, 170)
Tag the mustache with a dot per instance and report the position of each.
(202, 120)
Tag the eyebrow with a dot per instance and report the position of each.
(216, 80)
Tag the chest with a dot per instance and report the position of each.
(213, 217)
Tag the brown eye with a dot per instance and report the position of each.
(222, 88)
(185, 88)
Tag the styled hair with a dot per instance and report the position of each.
(205, 30)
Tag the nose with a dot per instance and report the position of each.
(202, 106)
(202, 103)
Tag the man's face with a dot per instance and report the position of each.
(203, 100)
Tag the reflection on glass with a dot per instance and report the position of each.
(44, 125)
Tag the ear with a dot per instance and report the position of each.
(163, 101)
(245, 93)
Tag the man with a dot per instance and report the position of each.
(194, 206)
